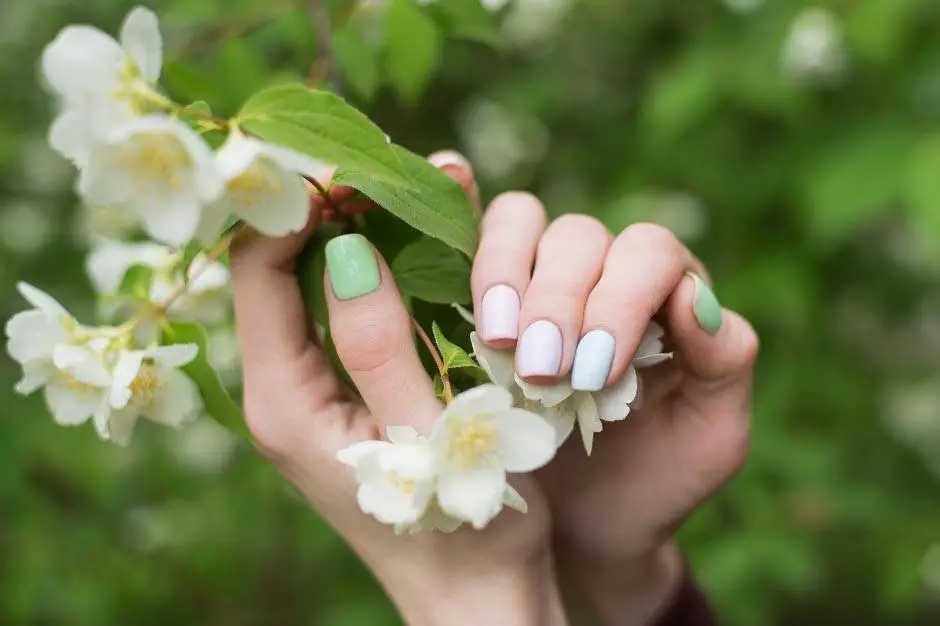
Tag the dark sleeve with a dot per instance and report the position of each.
(689, 607)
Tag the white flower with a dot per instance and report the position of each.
(208, 296)
(78, 388)
(99, 81)
(146, 383)
(33, 335)
(478, 438)
(563, 407)
(157, 168)
(396, 477)
(263, 186)
(109, 261)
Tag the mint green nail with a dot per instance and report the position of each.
(705, 306)
(351, 264)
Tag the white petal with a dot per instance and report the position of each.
(171, 219)
(121, 426)
(125, 371)
(208, 277)
(82, 60)
(177, 402)
(282, 209)
(32, 336)
(401, 434)
(175, 355)
(82, 364)
(498, 364)
(548, 395)
(69, 136)
(102, 181)
(613, 402)
(41, 300)
(353, 454)
(236, 155)
(475, 496)
(140, 38)
(463, 313)
(514, 500)
(293, 162)
(562, 418)
(378, 496)
(526, 441)
(480, 400)
(651, 359)
(212, 221)
(589, 421)
(411, 461)
(36, 374)
(68, 407)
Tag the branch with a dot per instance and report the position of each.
(319, 15)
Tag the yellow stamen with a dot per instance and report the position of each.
(406, 485)
(156, 159)
(251, 185)
(473, 443)
(145, 386)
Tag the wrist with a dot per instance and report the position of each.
(524, 596)
(632, 591)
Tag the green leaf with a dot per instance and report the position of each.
(453, 356)
(219, 405)
(432, 202)
(467, 19)
(324, 126)
(412, 49)
(136, 282)
(356, 60)
(430, 270)
(196, 110)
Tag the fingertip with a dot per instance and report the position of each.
(458, 167)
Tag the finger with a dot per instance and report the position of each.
(569, 262)
(458, 167)
(372, 332)
(502, 267)
(643, 267)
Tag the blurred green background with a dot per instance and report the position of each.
(795, 147)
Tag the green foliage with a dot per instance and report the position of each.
(136, 282)
(412, 49)
(452, 355)
(218, 403)
(430, 270)
(429, 201)
(322, 125)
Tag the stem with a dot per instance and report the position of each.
(319, 15)
(349, 221)
(213, 254)
(445, 380)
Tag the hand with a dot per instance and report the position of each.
(615, 512)
(301, 417)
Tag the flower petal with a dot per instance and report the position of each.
(589, 422)
(562, 418)
(171, 220)
(651, 359)
(70, 136)
(32, 336)
(352, 455)
(178, 401)
(497, 363)
(212, 221)
(514, 500)
(69, 407)
(279, 210)
(401, 434)
(141, 39)
(613, 402)
(475, 496)
(481, 400)
(548, 395)
(292, 161)
(125, 371)
(236, 155)
(36, 374)
(526, 441)
(121, 426)
(82, 364)
(82, 61)
(174, 355)
(41, 300)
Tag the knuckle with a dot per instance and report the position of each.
(516, 204)
(579, 225)
(651, 235)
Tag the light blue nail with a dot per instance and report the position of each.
(592, 361)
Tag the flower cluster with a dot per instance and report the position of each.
(135, 152)
(98, 373)
(458, 473)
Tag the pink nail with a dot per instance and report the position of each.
(539, 351)
(500, 313)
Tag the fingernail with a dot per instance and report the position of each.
(351, 264)
(592, 361)
(499, 313)
(539, 352)
(449, 157)
(705, 306)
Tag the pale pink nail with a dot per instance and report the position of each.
(539, 351)
(500, 313)
(449, 157)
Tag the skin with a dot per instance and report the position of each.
(606, 521)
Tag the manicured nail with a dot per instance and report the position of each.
(539, 352)
(592, 361)
(449, 157)
(351, 264)
(499, 313)
(705, 306)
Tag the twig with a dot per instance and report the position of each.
(213, 254)
(445, 380)
(319, 15)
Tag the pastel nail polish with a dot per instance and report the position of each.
(705, 306)
(539, 350)
(592, 361)
(499, 313)
(351, 264)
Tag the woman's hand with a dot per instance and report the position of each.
(300, 417)
(543, 288)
